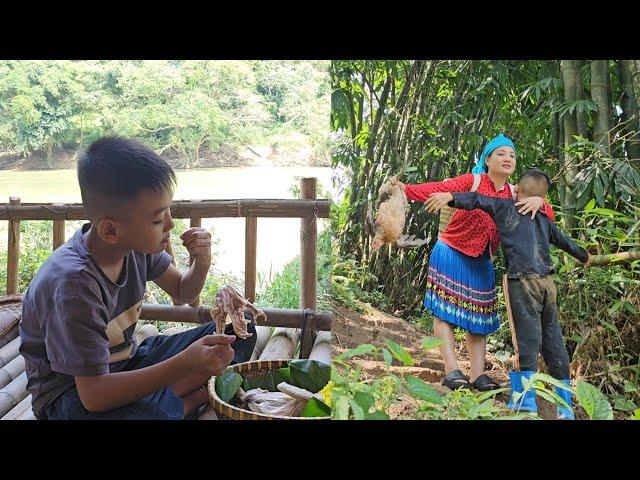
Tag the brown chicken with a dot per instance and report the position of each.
(392, 211)
(231, 303)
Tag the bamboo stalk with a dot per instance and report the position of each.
(622, 257)
(512, 325)
(58, 232)
(250, 255)
(13, 394)
(9, 351)
(27, 415)
(262, 337)
(194, 222)
(282, 344)
(308, 263)
(13, 254)
(11, 371)
(23, 407)
(276, 317)
(321, 350)
(308, 248)
(243, 207)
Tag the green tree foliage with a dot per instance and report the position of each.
(429, 120)
(177, 107)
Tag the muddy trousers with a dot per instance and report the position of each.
(535, 315)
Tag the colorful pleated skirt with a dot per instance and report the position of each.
(461, 290)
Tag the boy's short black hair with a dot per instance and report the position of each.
(534, 182)
(114, 170)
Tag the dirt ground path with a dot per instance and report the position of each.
(351, 329)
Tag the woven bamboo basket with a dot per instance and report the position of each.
(226, 411)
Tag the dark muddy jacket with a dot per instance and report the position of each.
(525, 241)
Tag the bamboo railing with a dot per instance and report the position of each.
(308, 209)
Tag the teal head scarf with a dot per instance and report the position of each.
(499, 141)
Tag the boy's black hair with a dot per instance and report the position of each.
(541, 181)
(115, 169)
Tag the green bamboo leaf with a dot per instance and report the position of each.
(590, 205)
(551, 397)
(491, 393)
(549, 379)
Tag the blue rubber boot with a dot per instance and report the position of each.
(526, 403)
(565, 413)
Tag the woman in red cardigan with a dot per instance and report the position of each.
(461, 284)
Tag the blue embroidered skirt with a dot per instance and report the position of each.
(461, 290)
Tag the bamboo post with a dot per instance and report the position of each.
(250, 255)
(308, 248)
(13, 251)
(11, 371)
(58, 232)
(282, 344)
(276, 317)
(194, 222)
(262, 337)
(321, 350)
(230, 208)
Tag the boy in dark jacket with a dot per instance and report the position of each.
(530, 291)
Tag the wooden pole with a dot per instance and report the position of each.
(243, 207)
(622, 257)
(322, 348)
(512, 325)
(250, 256)
(194, 222)
(308, 248)
(58, 233)
(276, 317)
(13, 257)
(58, 229)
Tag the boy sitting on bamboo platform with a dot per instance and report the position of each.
(81, 308)
(530, 293)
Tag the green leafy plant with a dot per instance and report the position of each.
(360, 398)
